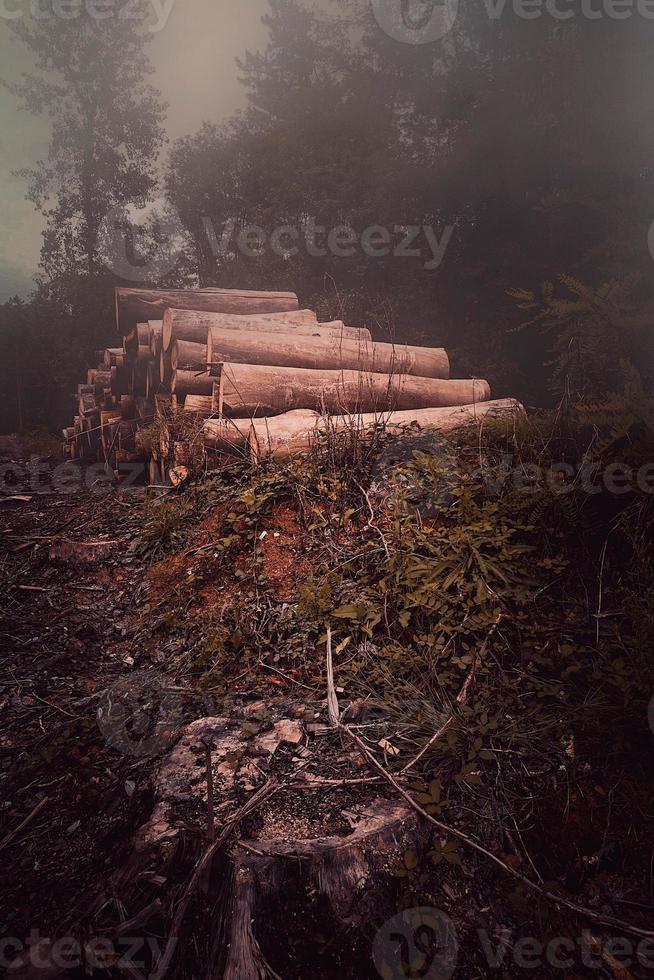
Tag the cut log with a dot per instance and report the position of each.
(121, 380)
(152, 381)
(260, 390)
(137, 343)
(101, 380)
(114, 357)
(126, 434)
(187, 356)
(138, 305)
(200, 405)
(331, 863)
(193, 325)
(154, 473)
(184, 383)
(296, 432)
(87, 405)
(139, 379)
(127, 407)
(323, 353)
(165, 367)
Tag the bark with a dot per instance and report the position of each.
(187, 356)
(260, 390)
(137, 344)
(325, 353)
(127, 407)
(165, 367)
(137, 305)
(101, 380)
(152, 382)
(126, 437)
(114, 357)
(140, 379)
(87, 405)
(343, 880)
(296, 432)
(193, 324)
(121, 380)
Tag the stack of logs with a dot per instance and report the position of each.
(222, 371)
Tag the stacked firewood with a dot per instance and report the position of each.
(217, 371)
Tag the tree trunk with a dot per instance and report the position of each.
(295, 432)
(165, 368)
(152, 382)
(136, 305)
(186, 356)
(333, 878)
(137, 343)
(193, 324)
(259, 390)
(114, 357)
(140, 379)
(127, 407)
(121, 380)
(325, 353)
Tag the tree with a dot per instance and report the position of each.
(106, 132)
(91, 80)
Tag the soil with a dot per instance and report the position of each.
(73, 579)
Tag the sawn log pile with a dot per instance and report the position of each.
(205, 372)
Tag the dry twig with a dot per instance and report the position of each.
(462, 697)
(205, 861)
(28, 819)
(606, 921)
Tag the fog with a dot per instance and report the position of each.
(195, 69)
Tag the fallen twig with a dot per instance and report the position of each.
(604, 920)
(461, 699)
(372, 523)
(210, 808)
(28, 819)
(332, 701)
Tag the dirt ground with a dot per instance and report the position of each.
(72, 795)
(69, 576)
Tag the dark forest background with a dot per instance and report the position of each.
(532, 138)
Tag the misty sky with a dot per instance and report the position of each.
(194, 57)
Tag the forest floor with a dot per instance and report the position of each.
(218, 597)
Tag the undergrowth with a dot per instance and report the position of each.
(505, 565)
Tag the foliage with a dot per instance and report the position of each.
(106, 130)
(91, 82)
(599, 335)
